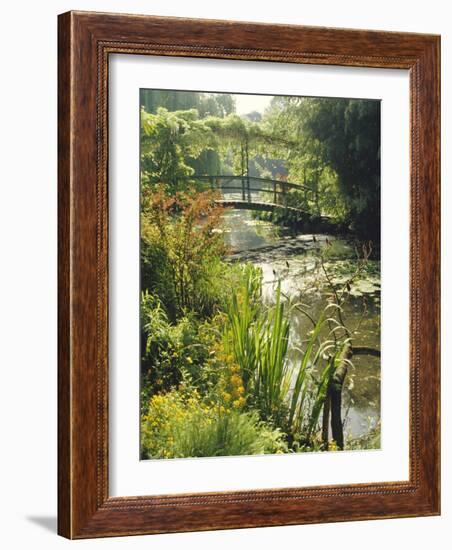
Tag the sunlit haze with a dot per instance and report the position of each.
(247, 103)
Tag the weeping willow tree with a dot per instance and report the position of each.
(169, 141)
(336, 150)
(208, 161)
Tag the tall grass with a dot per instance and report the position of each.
(284, 393)
(228, 434)
(310, 357)
(272, 376)
(245, 321)
(259, 338)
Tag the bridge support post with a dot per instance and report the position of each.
(284, 190)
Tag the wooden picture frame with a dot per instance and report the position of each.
(86, 40)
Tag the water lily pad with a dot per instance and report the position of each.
(365, 286)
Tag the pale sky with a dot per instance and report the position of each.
(245, 103)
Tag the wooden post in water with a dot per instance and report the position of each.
(337, 382)
(242, 179)
(333, 402)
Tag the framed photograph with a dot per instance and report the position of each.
(248, 275)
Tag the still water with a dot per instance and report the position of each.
(292, 259)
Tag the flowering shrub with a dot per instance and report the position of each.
(182, 250)
(232, 390)
(180, 424)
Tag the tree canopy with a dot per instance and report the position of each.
(337, 145)
(330, 145)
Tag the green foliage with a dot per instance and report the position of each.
(287, 395)
(176, 144)
(258, 337)
(310, 358)
(216, 375)
(169, 350)
(330, 145)
(182, 250)
(219, 105)
(168, 141)
(352, 148)
(333, 362)
(336, 152)
(179, 424)
(272, 379)
(243, 312)
(166, 155)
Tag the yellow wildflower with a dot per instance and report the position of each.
(238, 403)
(236, 380)
(239, 391)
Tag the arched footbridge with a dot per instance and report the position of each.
(254, 193)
